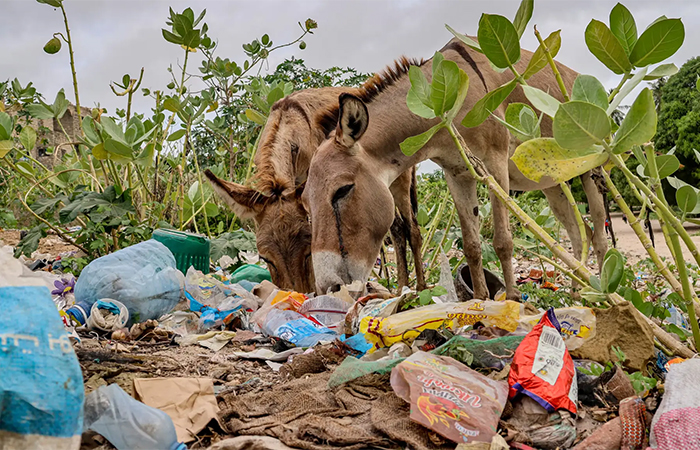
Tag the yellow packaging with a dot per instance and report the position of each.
(406, 326)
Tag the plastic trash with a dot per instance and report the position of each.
(492, 354)
(127, 423)
(143, 277)
(107, 315)
(578, 324)
(449, 398)
(407, 325)
(326, 310)
(542, 368)
(295, 328)
(464, 287)
(250, 272)
(41, 384)
(352, 368)
(676, 423)
(531, 424)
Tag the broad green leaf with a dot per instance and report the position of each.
(211, 209)
(90, 132)
(697, 155)
(666, 165)
(6, 126)
(145, 159)
(639, 125)
(39, 111)
(612, 271)
(28, 138)
(606, 47)
(523, 16)
(697, 84)
(587, 88)
(623, 27)
(626, 89)
(422, 216)
(60, 104)
(414, 143)
(443, 92)
(664, 70)
(255, 116)
(579, 125)
(54, 3)
(543, 157)
(115, 147)
(112, 129)
(193, 192)
(541, 100)
(5, 148)
(174, 136)
(539, 58)
(499, 40)
(677, 184)
(417, 107)
(462, 88)
(274, 95)
(99, 152)
(487, 105)
(437, 59)
(25, 168)
(522, 121)
(658, 42)
(172, 104)
(686, 199)
(420, 85)
(469, 42)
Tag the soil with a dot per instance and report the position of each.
(51, 244)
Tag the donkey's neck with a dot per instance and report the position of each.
(391, 122)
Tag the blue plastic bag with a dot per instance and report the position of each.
(41, 384)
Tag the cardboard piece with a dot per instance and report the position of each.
(190, 402)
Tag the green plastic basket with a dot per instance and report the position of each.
(189, 249)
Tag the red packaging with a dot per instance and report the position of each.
(542, 368)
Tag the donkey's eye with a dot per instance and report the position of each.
(295, 148)
(342, 192)
(268, 262)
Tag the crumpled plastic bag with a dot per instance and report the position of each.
(542, 368)
(407, 325)
(449, 398)
(577, 324)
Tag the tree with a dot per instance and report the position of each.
(679, 119)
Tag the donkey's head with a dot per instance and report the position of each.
(283, 234)
(350, 206)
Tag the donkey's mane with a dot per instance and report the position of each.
(386, 78)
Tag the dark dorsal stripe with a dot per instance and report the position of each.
(462, 50)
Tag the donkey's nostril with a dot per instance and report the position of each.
(335, 288)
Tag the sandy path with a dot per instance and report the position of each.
(628, 243)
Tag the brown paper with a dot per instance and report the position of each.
(190, 402)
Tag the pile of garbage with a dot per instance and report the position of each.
(358, 368)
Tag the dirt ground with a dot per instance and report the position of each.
(628, 243)
(51, 244)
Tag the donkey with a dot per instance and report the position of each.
(296, 127)
(346, 192)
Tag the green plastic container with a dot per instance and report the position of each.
(252, 273)
(189, 249)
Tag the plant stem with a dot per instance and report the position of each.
(442, 240)
(687, 296)
(662, 208)
(433, 225)
(579, 220)
(615, 91)
(553, 65)
(69, 41)
(635, 223)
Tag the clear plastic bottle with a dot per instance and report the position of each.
(143, 277)
(127, 423)
(295, 328)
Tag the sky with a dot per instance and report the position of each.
(114, 37)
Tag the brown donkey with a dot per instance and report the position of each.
(296, 127)
(347, 195)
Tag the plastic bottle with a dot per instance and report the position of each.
(127, 423)
(79, 312)
(295, 328)
(327, 310)
(143, 277)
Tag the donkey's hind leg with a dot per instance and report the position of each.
(463, 189)
(596, 206)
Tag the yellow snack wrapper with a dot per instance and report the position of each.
(577, 324)
(406, 326)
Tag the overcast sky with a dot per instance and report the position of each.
(113, 37)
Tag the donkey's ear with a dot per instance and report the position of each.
(247, 203)
(353, 119)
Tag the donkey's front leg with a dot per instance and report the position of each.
(463, 189)
(502, 237)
